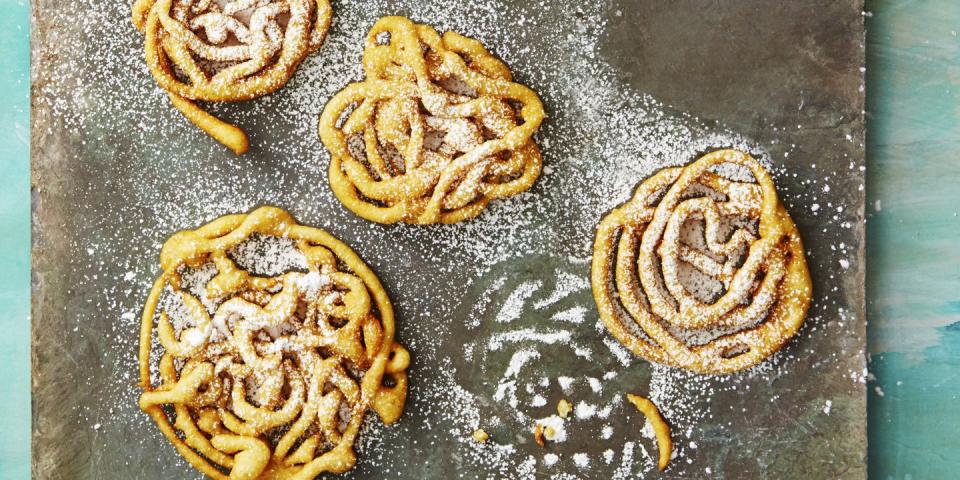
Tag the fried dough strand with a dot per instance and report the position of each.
(436, 131)
(277, 387)
(227, 51)
(748, 245)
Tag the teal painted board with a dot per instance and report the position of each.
(14, 241)
(913, 231)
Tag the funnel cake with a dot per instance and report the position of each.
(434, 133)
(273, 340)
(227, 51)
(703, 268)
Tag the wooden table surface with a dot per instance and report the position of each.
(913, 284)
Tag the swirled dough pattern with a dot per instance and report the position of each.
(702, 270)
(434, 133)
(267, 376)
(227, 51)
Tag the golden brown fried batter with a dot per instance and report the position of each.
(227, 51)
(660, 428)
(747, 246)
(434, 133)
(268, 376)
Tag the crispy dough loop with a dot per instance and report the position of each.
(227, 51)
(747, 246)
(302, 353)
(660, 428)
(435, 132)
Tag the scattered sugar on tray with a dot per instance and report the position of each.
(619, 351)
(507, 387)
(583, 352)
(513, 306)
(625, 470)
(566, 284)
(581, 460)
(482, 302)
(573, 315)
(595, 384)
(498, 235)
(585, 410)
(608, 456)
(518, 360)
(527, 334)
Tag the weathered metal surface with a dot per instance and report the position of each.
(116, 170)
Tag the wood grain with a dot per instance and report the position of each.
(913, 283)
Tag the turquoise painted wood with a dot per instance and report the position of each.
(913, 285)
(14, 240)
(913, 237)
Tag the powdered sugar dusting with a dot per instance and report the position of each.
(499, 303)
